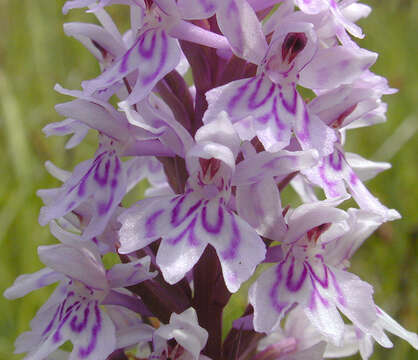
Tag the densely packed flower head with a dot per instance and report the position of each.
(212, 111)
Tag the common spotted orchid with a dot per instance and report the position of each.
(214, 107)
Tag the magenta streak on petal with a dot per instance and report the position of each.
(252, 103)
(294, 287)
(57, 334)
(43, 280)
(279, 124)
(324, 282)
(82, 182)
(353, 178)
(132, 276)
(177, 209)
(52, 322)
(70, 206)
(213, 229)
(240, 93)
(278, 306)
(208, 7)
(338, 164)
(82, 325)
(142, 50)
(304, 134)
(188, 230)
(116, 171)
(341, 297)
(124, 64)
(330, 184)
(103, 207)
(102, 180)
(70, 294)
(232, 250)
(86, 351)
(290, 107)
(150, 223)
(163, 58)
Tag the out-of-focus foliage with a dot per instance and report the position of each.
(35, 55)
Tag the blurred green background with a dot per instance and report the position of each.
(35, 55)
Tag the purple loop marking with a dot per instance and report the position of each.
(212, 229)
(162, 60)
(295, 287)
(86, 351)
(231, 252)
(78, 328)
(151, 222)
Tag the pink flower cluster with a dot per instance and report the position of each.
(217, 151)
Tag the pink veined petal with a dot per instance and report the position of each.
(275, 292)
(83, 323)
(43, 319)
(334, 173)
(332, 67)
(153, 218)
(180, 250)
(153, 55)
(238, 246)
(101, 181)
(257, 98)
(89, 269)
(320, 309)
(239, 23)
(24, 284)
(354, 300)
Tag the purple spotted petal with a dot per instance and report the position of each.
(150, 219)
(180, 250)
(332, 67)
(153, 55)
(83, 323)
(238, 246)
(333, 174)
(259, 99)
(101, 182)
